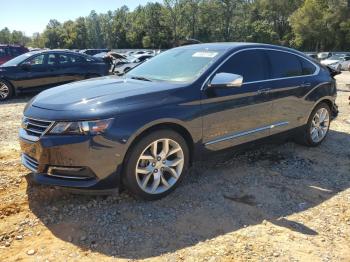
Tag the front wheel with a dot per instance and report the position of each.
(156, 165)
(317, 127)
(6, 90)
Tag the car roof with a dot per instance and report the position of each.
(56, 51)
(228, 46)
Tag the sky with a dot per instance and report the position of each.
(30, 16)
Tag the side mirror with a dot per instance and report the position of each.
(226, 80)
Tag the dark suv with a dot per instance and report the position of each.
(143, 131)
(7, 52)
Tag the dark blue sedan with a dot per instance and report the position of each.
(142, 132)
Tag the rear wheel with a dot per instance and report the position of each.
(156, 165)
(317, 127)
(6, 90)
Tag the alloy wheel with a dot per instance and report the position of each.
(159, 166)
(4, 91)
(319, 125)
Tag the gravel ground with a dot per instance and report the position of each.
(280, 202)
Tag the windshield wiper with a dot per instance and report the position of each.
(141, 78)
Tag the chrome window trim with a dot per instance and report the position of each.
(317, 71)
(245, 133)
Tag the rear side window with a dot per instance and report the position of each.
(63, 59)
(307, 67)
(251, 64)
(284, 64)
(76, 59)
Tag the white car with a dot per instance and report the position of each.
(337, 62)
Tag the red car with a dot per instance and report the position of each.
(7, 52)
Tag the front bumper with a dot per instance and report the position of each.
(79, 162)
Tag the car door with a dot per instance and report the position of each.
(70, 68)
(35, 73)
(232, 116)
(291, 79)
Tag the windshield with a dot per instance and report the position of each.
(17, 60)
(176, 65)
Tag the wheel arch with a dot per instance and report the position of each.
(326, 100)
(170, 125)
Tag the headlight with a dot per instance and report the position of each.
(81, 128)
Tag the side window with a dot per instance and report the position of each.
(251, 64)
(51, 59)
(37, 60)
(307, 67)
(284, 64)
(63, 59)
(76, 59)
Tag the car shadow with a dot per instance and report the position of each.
(228, 192)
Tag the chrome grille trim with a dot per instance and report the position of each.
(36, 127)
(29, 162)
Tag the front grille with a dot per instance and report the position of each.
(29, 162)
(35, 127)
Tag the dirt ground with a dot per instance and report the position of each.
(280, 202)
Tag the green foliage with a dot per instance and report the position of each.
(305, 24)
(14, 37)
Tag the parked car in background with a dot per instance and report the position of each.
(7, 52)
(93, 51)
(337, 62)
(113, 59)
(324, 55)
(44, 69)
(132, 62)
(142, 132)
(311, 54)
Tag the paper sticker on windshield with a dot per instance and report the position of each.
(205, 54)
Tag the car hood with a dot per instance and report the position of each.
(102, 95)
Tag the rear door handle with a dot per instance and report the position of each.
(264, 91)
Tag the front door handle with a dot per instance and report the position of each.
(305, 85)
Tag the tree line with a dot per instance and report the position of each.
(313, 25)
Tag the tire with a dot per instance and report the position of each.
(149, 178)
(6, 90)
(307, 136)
